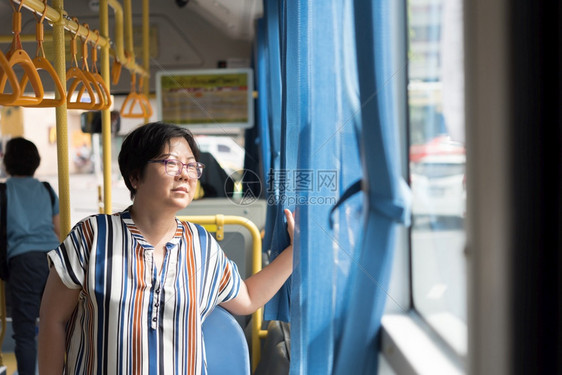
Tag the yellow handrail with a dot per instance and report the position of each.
(54, 16)
(216, 223)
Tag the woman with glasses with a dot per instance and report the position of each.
(127, 293)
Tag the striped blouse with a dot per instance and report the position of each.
(130, 319)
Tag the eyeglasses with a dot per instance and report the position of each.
(175, 167)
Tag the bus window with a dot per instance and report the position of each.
(226, 150)
(437, 167)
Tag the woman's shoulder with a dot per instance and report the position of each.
(30, 186)
(22, 181)
(194, 228)
(94, 219)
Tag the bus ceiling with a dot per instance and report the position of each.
(204, 34)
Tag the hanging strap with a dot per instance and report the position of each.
(348, 193)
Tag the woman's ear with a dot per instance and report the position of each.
(134, 180)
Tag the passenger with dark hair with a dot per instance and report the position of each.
(32, 229)
(215, 182)
(128, 292)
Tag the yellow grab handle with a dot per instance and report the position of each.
(21, 58)
(98, 79)
(7, 74)
(78, 78)
(131, 110)
(42, 63)
(99, 94)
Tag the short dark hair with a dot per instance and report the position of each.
(147, 142)
(21, 158)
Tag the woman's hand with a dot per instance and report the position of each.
(290, 223)
(260, 287)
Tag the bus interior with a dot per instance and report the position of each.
(417, 141)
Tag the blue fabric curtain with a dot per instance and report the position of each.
(257, 139)
(261, 73)
(276, 238)
(332, 113)
(386, 193)
(273, 87)
(321, 84)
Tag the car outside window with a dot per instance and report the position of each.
(437, 167)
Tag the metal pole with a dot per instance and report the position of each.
(62, 123)
(146, 46)
(106, 113)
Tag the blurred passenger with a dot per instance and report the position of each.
(32, 227)
(84, 159)
(128, 292)
(215, 182)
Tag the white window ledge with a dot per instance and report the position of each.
(409, 349)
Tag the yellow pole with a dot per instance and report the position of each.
(54, 15)
(118, 39)
(106, 113)
(129, 47)
(146, 39)
(146, 46)
(62, 124)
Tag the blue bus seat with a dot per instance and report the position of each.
(225, 344)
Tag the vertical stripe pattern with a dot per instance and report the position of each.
(130, 318)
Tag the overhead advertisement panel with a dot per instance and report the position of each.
(206, 98)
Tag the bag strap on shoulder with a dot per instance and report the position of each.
(3, 209)
(50, 190)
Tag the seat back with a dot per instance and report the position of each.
(237, 242)
(225, 344)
